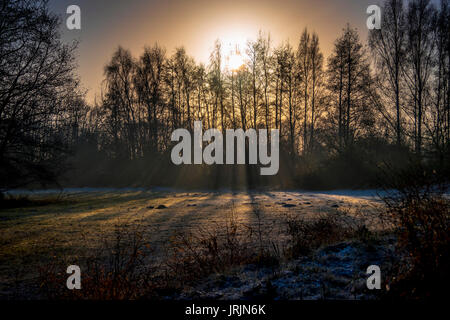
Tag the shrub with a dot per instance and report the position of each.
(199, 253)
(418, 210)
(116, 271)
(308, 235)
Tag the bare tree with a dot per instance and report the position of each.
(264, 53)
(421, 20)
(120, 100)
(37, 83)
(217, 84)
(440, 129)
(389, 46)
(317, 76)
(304, 73)
(149, 87)
(349, 82)
(254, 69)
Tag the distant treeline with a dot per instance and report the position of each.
(340, 117)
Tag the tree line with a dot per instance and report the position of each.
(391, 91)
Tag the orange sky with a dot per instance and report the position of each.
(196, 24)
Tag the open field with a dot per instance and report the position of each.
(79, 220)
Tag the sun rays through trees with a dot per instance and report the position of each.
(335, 113)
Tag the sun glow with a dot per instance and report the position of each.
(234, 60)
(233, 52)
(233, 40)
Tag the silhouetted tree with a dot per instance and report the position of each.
(38, 91)
(349, 84)
(389, 46)
(421, 17)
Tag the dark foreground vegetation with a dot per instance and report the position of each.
(121, 271)
(419, 210)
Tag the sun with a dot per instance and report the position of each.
(233, 50)
(233, 38)
(234, 60)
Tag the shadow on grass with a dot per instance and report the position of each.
(20, 201)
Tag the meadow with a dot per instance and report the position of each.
(67, 226)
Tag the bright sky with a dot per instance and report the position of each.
(133, 24)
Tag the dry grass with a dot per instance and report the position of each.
(195, 235)
(120, 269)
(217, 248)
(306, 235)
